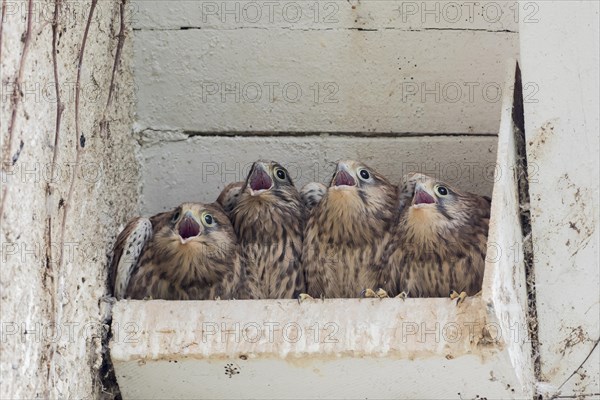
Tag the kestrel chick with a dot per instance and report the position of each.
(312, 193)
(439, 243)
(343, 237)
(269, 220)
(189, 253)
(230, 195)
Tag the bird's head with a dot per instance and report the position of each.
(196, 241)
(194, 225)
(268, 201)
(356, 178)
(359, 194)
(434, 204)
(354, 175)
(267, 178)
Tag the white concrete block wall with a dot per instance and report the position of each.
(561, 54)
(372, 66)
(65, 189)
(188, 168)
(493, 16)
(321, 80)
(306, 72)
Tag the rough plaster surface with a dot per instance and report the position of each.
(215, 67)
(562, 141)
(64, 190)
(178, 168)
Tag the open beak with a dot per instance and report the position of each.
(422, 196)
(259, 180)
(343, 177)
(188, 227)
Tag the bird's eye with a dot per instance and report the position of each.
(441, 190)
(208, 219)
(280, 174)
(364, 174)
(176, 216)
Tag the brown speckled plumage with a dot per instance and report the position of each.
(269, 220)
(439, 242)
(344, 232)
(312, 193)
(230, 196)
(190, 253)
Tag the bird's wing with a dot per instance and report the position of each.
(127, 253)
(482, 205)
(229, 196)
(312, 193)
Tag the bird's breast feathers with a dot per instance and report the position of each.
(342, 203)
(205, 258)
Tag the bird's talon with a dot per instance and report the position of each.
(459, 297)
(369, 294)
(303, 296)
(402, 296)
(382, 294)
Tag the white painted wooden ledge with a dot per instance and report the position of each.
(343, 348)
